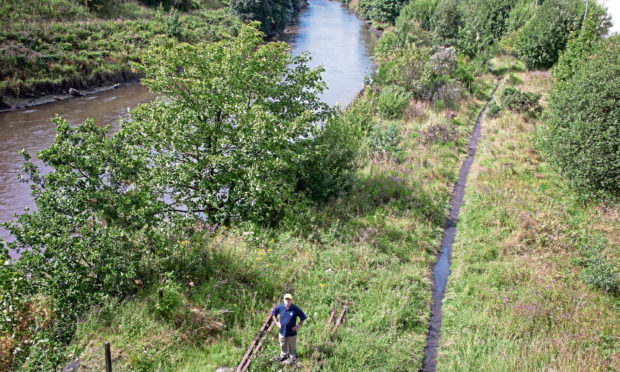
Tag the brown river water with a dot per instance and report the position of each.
(333, 35)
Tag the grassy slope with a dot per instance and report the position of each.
(515, 299)
(48, 47)
(371, 249)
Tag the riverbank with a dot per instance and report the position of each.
(74, 48)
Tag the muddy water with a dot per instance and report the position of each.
(339, 41)
(334, 36)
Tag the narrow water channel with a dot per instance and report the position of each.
(333, 35)
(442, 267)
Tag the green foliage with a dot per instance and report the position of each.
(465, 73)
(525, 103)
(421, 11)
(169, 298)
(494, 109)
(582, 136)
(385, 138)
(237, 138)
(577, 50)
(384, 11)
(273, 15)
(334, 153)
(521, 13)
(598, 270)
(392, 100)
(483, 22)
(540, 41)
(407, 32)
(446, 23)
(232, 132)
(513, 80)
(408, 67)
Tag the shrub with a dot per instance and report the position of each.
(443, 61)
(465, 73)
(514, 80)
(598, 270)
(384, 11)
(540, 41)
(443, 132)
(446, 23)
(484, 22)
(333, 155)
(399, 38)
(409, 68)
(494, 109)
(582, 134)
(385, 138)
(446, 92)
(523, 102)
(577, 49)
(421, 11)
(392, 101)
(520, 14)
(272, 14)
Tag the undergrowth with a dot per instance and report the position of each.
(534, 270)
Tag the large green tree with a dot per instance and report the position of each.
(233, 128)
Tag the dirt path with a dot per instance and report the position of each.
(442, 268)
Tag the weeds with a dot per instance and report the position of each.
(516, 299)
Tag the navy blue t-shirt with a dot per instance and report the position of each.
(288, 318)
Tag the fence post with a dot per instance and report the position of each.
(108, 358)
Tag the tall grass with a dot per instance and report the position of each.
(516, 299)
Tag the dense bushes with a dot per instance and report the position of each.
(392, 101)
(541, 40)
(537, 35)
(383, 11)
(273, 15)
(525, 103)
(484, 23)
(582, 135)
(421, 11)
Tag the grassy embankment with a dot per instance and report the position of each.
(48, 47)
(371, 249)
(516, 298)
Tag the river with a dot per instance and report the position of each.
(333, 35)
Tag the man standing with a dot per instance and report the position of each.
(288, 313)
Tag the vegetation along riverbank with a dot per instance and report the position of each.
(173, 238)
(49, 47)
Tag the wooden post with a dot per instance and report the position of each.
(339, 321)
(331, 317)
(257, 348)
(108, 358)
(247, 354)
